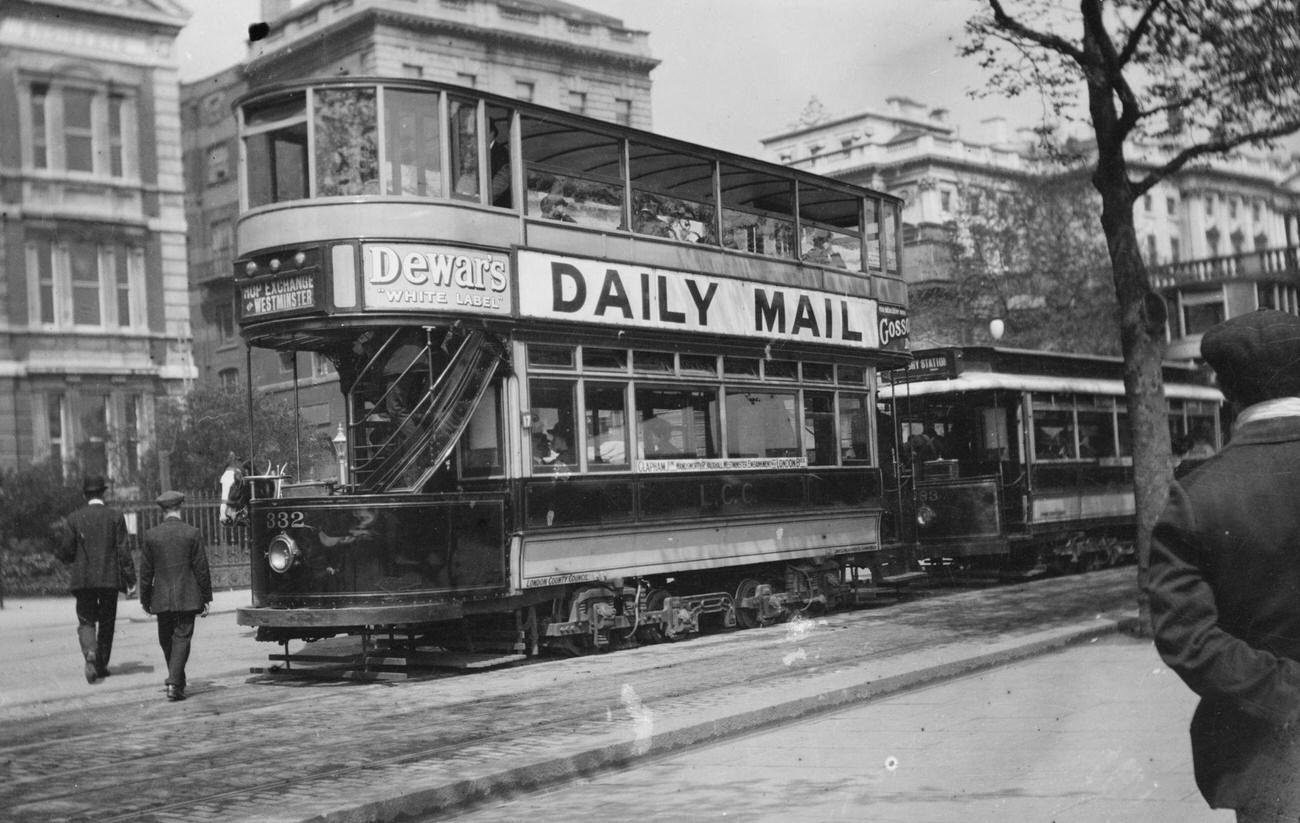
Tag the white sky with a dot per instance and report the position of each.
(734, 71)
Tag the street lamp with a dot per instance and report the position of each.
(997, 328)
(340, 443)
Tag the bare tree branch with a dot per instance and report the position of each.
(1212, 147)
(1139, 31)
(1058, 44)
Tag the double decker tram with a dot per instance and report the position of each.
(1020, 462)
(600, 385)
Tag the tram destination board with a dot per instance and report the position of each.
(293, 292)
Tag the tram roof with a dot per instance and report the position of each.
(985, 381)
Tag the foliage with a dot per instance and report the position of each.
(202, 429)
(1030, 255)
(28, 568)
(32, 498)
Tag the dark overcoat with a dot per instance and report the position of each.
(99, 535)
(174, 574)
(1225, 603)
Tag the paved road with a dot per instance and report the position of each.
(255, 748)
(1091, 733)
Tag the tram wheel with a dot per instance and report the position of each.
(751, 618)
(657, 633)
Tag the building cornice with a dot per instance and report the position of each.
(368, 18)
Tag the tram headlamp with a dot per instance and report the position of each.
(926, 516)
(299, 259)
(250, 268)
(282, 553)
(275, 264)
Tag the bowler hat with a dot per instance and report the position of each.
(170, 499)
(1256, 356)
(93, 484)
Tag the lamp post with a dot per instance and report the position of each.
(340, 442)
(997, 327)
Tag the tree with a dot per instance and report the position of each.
(1196, 77)
(199, 431)
(1028, 253)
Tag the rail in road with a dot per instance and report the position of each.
(274, 749)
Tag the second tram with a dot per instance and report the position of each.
(1021, 461)
(597, 384)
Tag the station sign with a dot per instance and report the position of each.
(579, 290)
(424, 277)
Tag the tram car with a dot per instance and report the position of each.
(594, 386)
(1020, 462)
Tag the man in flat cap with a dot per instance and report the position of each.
(93, 540)
(175, 585)
(1225, 577)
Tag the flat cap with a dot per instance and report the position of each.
(1256, 356)
(94, 483)
(170, 499)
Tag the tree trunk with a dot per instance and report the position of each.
(1142, 334)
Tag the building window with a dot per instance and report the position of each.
(1255, 211)
(1201, 311)
(92, 450)
(225, 322)
(467, 80)
(85, 284)
(1175, 250)
(80, 128)
(218, 163)
(1171, 206)
(1232, 209)
(524, 90)
(578, 102)
(220, 237)
(1147, 203)
(56, 426)
(1261, 241)
(945, 201)
(412, 70)
(1151, 248)
(622, 111)
(132, 414)
(228, 379)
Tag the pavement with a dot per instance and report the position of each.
(252, 747)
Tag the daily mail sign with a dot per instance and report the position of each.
(579, 290)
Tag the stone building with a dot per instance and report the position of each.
(1220, 238)
(93, 285)
(545, 51)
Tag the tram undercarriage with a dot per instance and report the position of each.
(588, 618)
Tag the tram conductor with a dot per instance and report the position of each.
(1224, 583)
(175, 586)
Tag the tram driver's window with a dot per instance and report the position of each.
(277, 153)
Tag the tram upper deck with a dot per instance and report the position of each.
(376, 198)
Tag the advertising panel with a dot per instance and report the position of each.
(426, 277)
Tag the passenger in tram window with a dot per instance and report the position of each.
(1202, 445)
(650, 224)
(820, 251)
(499, 158)
(555, 206)
(1225, 573)
(544, 453)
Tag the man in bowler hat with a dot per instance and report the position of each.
(175, 585)
(94, 542)
(1225, 577)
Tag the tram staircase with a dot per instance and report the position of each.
(420, 441)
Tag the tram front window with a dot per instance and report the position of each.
(413, 143)
(346, 141)
(276, 149)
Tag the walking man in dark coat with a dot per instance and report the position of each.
(94, 542)
(1225, 577)
(175, 585)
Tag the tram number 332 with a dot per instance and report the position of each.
(284, 520)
